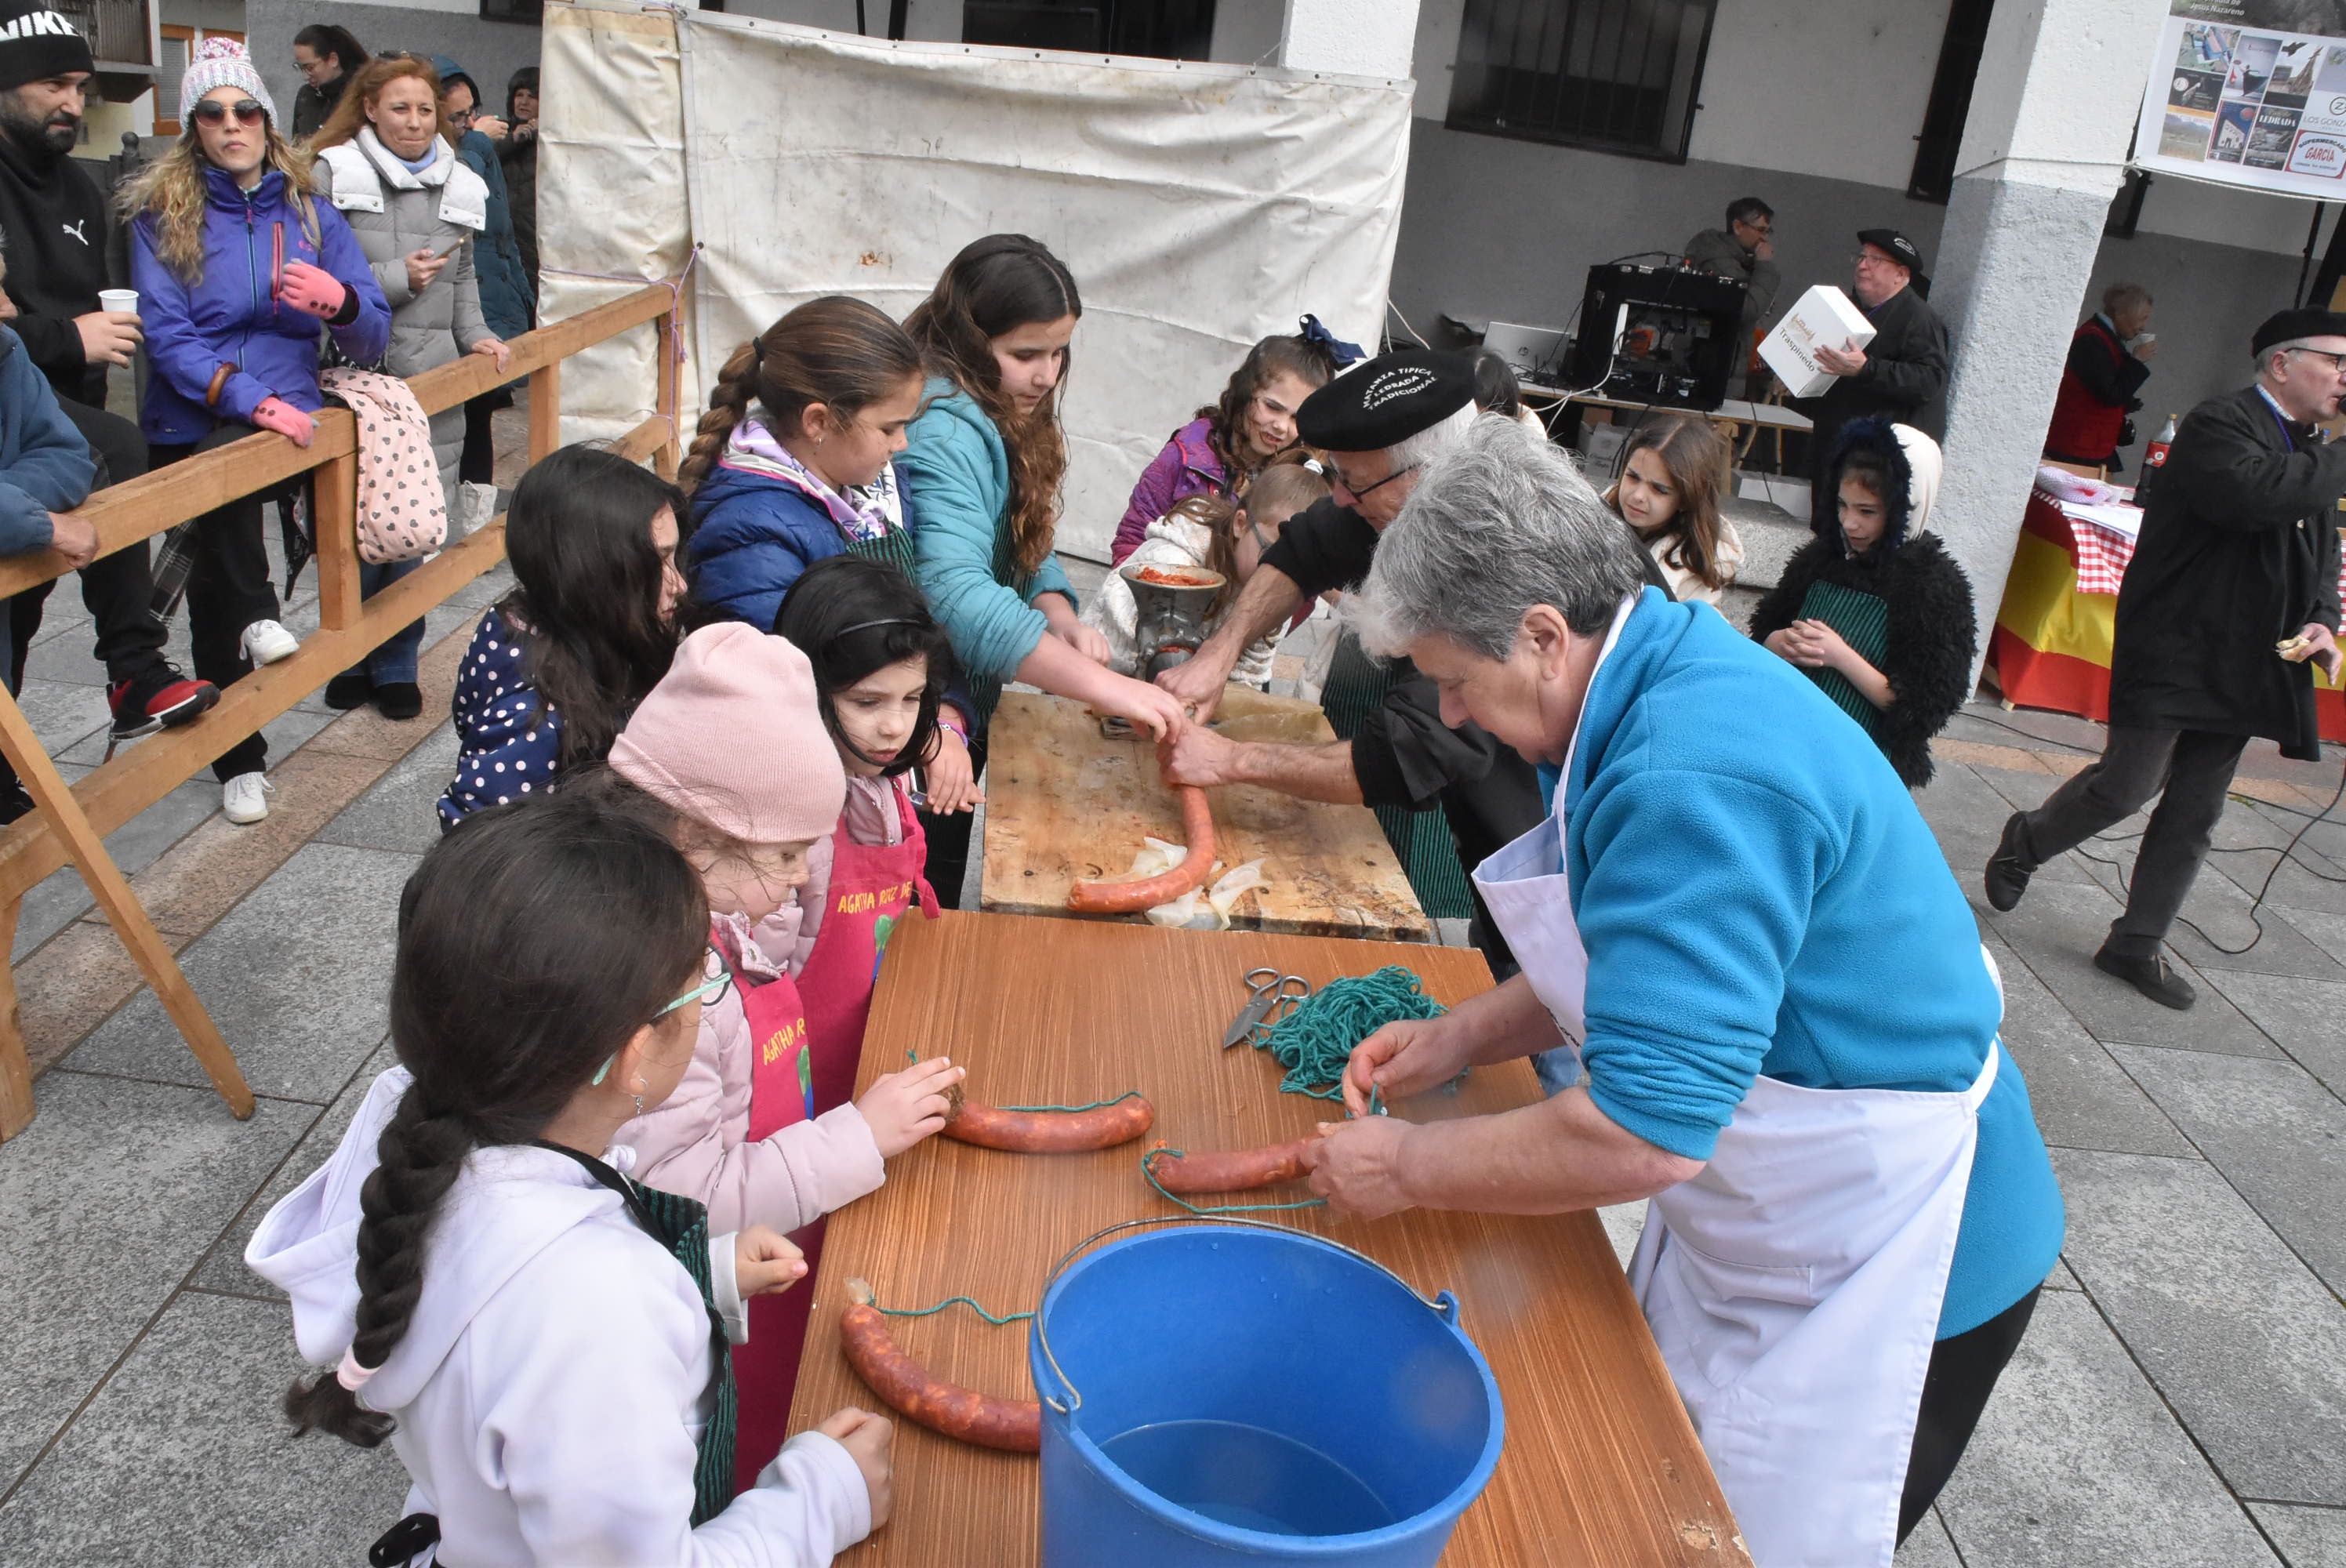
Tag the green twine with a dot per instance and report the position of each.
(1148, 1169)
(911, 1053)
(1315, 1039)
(949, 1301)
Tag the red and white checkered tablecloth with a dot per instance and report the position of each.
(2102, 553)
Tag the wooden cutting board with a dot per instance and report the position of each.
(1065, 804)
(1600, 1468)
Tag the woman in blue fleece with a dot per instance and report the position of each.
(1740, 921)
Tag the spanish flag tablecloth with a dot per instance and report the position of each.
(2051, 645)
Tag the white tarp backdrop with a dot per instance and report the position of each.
(1200, 206)
(2249, 93)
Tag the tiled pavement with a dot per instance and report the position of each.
(2180, 1399)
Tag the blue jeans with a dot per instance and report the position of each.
(392, 664)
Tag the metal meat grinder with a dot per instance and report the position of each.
(1171, 603)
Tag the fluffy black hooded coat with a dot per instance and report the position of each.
(1929, 599)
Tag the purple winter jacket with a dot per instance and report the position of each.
(231, 316)
(1186, 467)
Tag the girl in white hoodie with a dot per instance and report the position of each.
(543, 1341)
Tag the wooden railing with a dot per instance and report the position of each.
(72, 821)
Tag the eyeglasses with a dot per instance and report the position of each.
(707, 991)
(1357, 492)
(2337, 361)
(212, 112)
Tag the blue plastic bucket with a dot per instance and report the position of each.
(1242, 1392)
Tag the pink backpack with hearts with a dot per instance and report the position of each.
(402, 512)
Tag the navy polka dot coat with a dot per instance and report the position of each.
(507, 739)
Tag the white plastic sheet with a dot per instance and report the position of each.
(1200, 206)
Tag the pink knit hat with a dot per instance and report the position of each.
(733, 738)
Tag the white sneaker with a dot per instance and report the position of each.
(244, 800)
(266, 642)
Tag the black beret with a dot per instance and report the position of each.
(1902, 250)
(1384, 400)
(2288, 326)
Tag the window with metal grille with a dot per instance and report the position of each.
(1158, 29)
(1619, 75)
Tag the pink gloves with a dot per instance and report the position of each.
(313, 289)
(285, 419)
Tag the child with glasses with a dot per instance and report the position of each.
(544, 1340)
(731, 754)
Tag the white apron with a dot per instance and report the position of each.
(1793, 1285)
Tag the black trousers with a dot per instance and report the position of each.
(2190, 770)
(948, 839)
(228, 590)
(116, 588)
(1962, 1373)
(478, 466)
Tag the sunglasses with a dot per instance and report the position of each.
(212, 112)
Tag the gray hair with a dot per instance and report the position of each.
(2118, 296)
(1503, 523)
(1433, 443)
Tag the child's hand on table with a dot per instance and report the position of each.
(867, 1437)
(950, 781)
(904, 1107)
(765, 1261)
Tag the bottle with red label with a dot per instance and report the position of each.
(2154, 458)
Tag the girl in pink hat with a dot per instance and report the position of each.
(733, 753)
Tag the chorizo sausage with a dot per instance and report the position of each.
(963, 1414)
(1047, 1132)
(1228, 1170)
(1147, 893)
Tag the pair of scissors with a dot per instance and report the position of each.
(1274, 995)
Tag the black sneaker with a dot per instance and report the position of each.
(2150, 974)
(2007, 874)
(399, 699)
(158, 698)
(347, 690)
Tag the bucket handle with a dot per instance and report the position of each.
(1444, 1305)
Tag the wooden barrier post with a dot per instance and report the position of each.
(333, 517)
(544, 412)
(671, 456)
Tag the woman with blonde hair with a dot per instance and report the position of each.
(1672, 471)
(384, 160)
(236, 268)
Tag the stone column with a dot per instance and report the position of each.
(2044, 147)
(1349, 38)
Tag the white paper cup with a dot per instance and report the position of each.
(122, 299)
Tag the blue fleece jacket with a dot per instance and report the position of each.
(958, 476)
(1758, 894)
(753, 535)
(44, 465)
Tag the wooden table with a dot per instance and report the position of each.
(1065, 804)
(1600, 1469)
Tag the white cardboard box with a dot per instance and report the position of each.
(1823, 316)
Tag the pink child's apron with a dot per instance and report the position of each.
(782, 1091)
(871, 886)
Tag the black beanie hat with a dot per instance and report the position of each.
(2288, 326)
(37, 42)
(1385, 401)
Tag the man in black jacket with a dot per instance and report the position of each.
(1900, 374)
(2233, 591)
(1380, 424)
(54, 222)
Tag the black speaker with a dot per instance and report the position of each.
(1669, 336)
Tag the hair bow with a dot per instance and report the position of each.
(1342, 352)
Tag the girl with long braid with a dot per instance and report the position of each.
(543, 1341)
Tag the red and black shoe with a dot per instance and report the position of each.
(160, 698)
